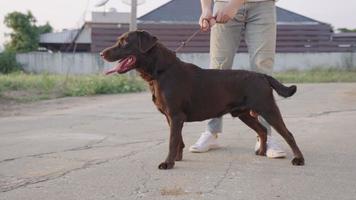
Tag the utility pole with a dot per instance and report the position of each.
(133, 15)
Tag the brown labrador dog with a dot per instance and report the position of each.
(184, 92)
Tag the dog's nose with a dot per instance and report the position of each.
(102, 54)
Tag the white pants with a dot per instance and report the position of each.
(258, 22)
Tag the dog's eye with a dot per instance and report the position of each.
(123, 42)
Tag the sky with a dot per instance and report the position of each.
(71, 13)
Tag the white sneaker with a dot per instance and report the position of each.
(273, 148)
(206, 142)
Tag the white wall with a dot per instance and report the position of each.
(62, 63)
(91, 63)
(285, 61)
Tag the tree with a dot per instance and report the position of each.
(25, 33)
(8, 62)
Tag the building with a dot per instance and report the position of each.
(296, 33)
(302, 42)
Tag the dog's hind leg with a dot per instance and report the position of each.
(260, 130)
(274, 118)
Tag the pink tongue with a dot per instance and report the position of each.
(119, 68)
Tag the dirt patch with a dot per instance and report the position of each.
(176, 191)
(7, 104)
(13, 107)
(30, 95)
(12, 102)
(350, 95)
(18, 94)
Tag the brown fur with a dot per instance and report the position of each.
(184, 92)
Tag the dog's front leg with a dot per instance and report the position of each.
(181, 146)
(175, 141)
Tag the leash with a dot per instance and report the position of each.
(184, 43)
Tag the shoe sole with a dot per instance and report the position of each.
(276, 156)
(192, 150)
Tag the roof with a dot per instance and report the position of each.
(175, 11)
(188, 11)
(286, 16)
(66, 36)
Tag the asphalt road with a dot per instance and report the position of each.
(109, 147)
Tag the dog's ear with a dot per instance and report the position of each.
(146, 41)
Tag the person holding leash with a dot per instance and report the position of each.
(227, 21)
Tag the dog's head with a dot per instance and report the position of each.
(129, 49)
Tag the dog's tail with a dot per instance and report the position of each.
(281, 89)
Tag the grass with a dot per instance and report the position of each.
(317, 76)
(31, 87)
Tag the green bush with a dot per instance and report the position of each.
(32, 87)
(46, 86)
(96, 84)
(8, 62)
(317, 75)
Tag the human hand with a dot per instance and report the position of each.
(227, 13)
(206, 20)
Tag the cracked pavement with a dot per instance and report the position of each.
(109, 147)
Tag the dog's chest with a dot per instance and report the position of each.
(157, 98)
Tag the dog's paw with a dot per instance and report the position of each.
(260, 153)
(166, 165)
(298, 161)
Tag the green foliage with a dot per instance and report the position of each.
(45, 86)
(8, 62)
(95, 84)
(346, 30)
(317, 76)
(30, 87)
(25, 33)
(47, 28)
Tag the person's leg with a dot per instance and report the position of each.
(224, 41)
(260, 37)
(214, 125)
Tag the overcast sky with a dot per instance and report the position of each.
(69, 13)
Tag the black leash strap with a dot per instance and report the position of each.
(183, 44)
